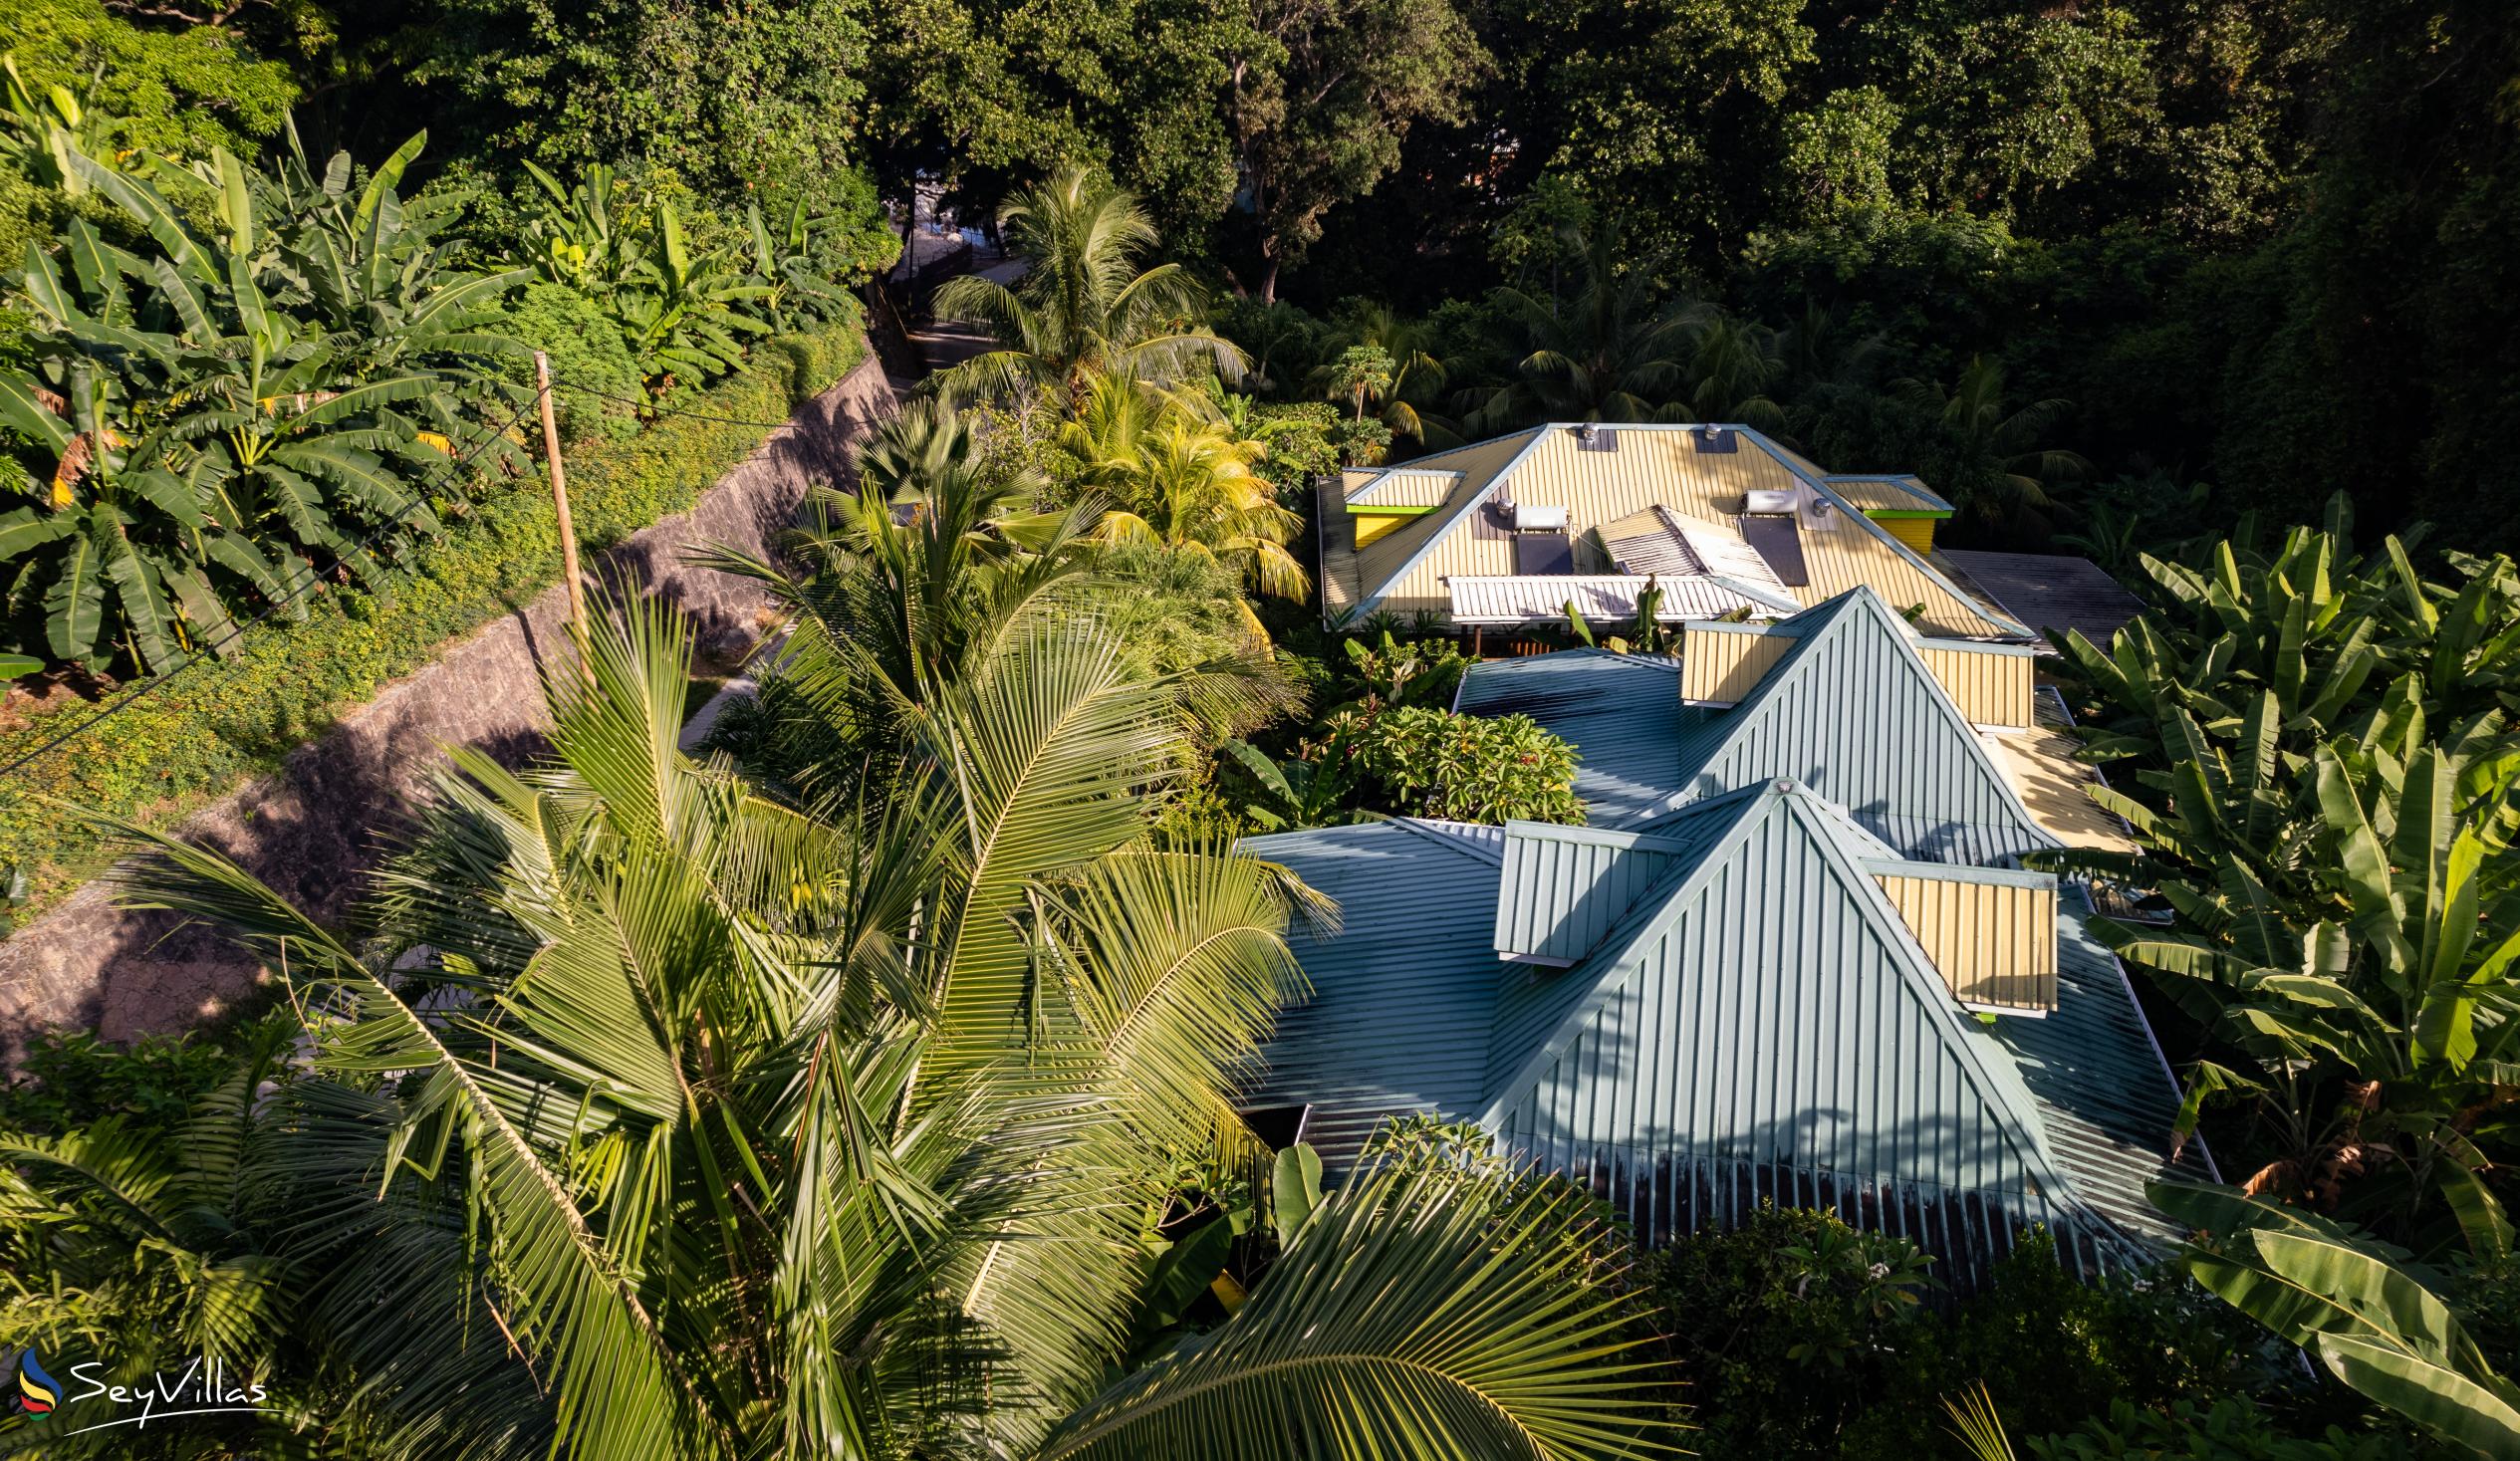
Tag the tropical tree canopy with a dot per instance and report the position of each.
(1083, 306)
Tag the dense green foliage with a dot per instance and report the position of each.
(1809, 1338)
(2313, 747)
(750, 1126)
(240, 714)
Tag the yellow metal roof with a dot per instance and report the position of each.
(1409, 486)
(1883, 494)
(1405, 571)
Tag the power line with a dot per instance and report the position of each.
(236, 630)
(667, 410)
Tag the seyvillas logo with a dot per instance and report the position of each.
(37, 1392)
(202, 1387)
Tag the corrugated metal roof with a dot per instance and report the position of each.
(1603, 598)
(1886, 492)
(1564, 887)
(1656, 464)
(1853, 710)
(1622, 712)
(1772, 1027)
(2040, 761)
(1403, 997)
(2107, 1098)
(1410, 486)
(2050, 591)
(1756, 1024)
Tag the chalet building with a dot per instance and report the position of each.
(1794, 957)
(1505, 534)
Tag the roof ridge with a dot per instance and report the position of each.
(1444, 528)
(1829, 620)
(1437, 829)
(1847, 509)
(1616, 960)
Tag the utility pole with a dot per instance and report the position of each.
(560, 497)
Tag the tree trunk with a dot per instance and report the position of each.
(1268, 273)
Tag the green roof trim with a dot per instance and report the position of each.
(1391, 509)
(1893, 514)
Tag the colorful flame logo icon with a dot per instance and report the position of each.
(38, 1393)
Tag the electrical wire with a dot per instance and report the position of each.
(667, 410)
(236, 630)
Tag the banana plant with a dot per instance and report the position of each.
(687, 314)
(1302, 791)
(2377, 1325)
(783, 266)
(194, 432)
(2380, 1033)
(683, 314)
(42, 133)
(577, 237)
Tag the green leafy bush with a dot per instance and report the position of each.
(2233, 1428)
(1468, 768)
(286, 681)
(182, 91)
(1298, 435)
(73, 1079)
(585, 351)
(1804, 1336)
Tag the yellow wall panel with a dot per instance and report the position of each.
(1990, 688)
(1721, 668)
(1994, 944)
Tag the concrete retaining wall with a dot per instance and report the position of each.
(310, 829)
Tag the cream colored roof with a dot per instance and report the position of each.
(1410, 486)
(2040, 764)
(1406, 570)
(1884, 494)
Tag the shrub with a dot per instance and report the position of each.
(1801, 1337)
(2234, 1428)
(152, 1086)
(1789, 1319)
(184, 91)
(285, 682)
(1467, 768)
(587, 351)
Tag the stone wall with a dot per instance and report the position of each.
(309, 830)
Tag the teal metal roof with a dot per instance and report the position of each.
(1853, 711)
(1751, 1021)
(2106, 1094)
(1564, 887)
(1622, 713)
(1767, 1029)
(1715, 1004)
(1403, 997)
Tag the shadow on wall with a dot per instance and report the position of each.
(316, 829)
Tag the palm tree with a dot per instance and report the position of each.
(1082, 306)
(732, 1127)
(1184, 478)
(1416, 376)
(1730, 366)
(1998, 471)
(1198, 489)
(1610, 352)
